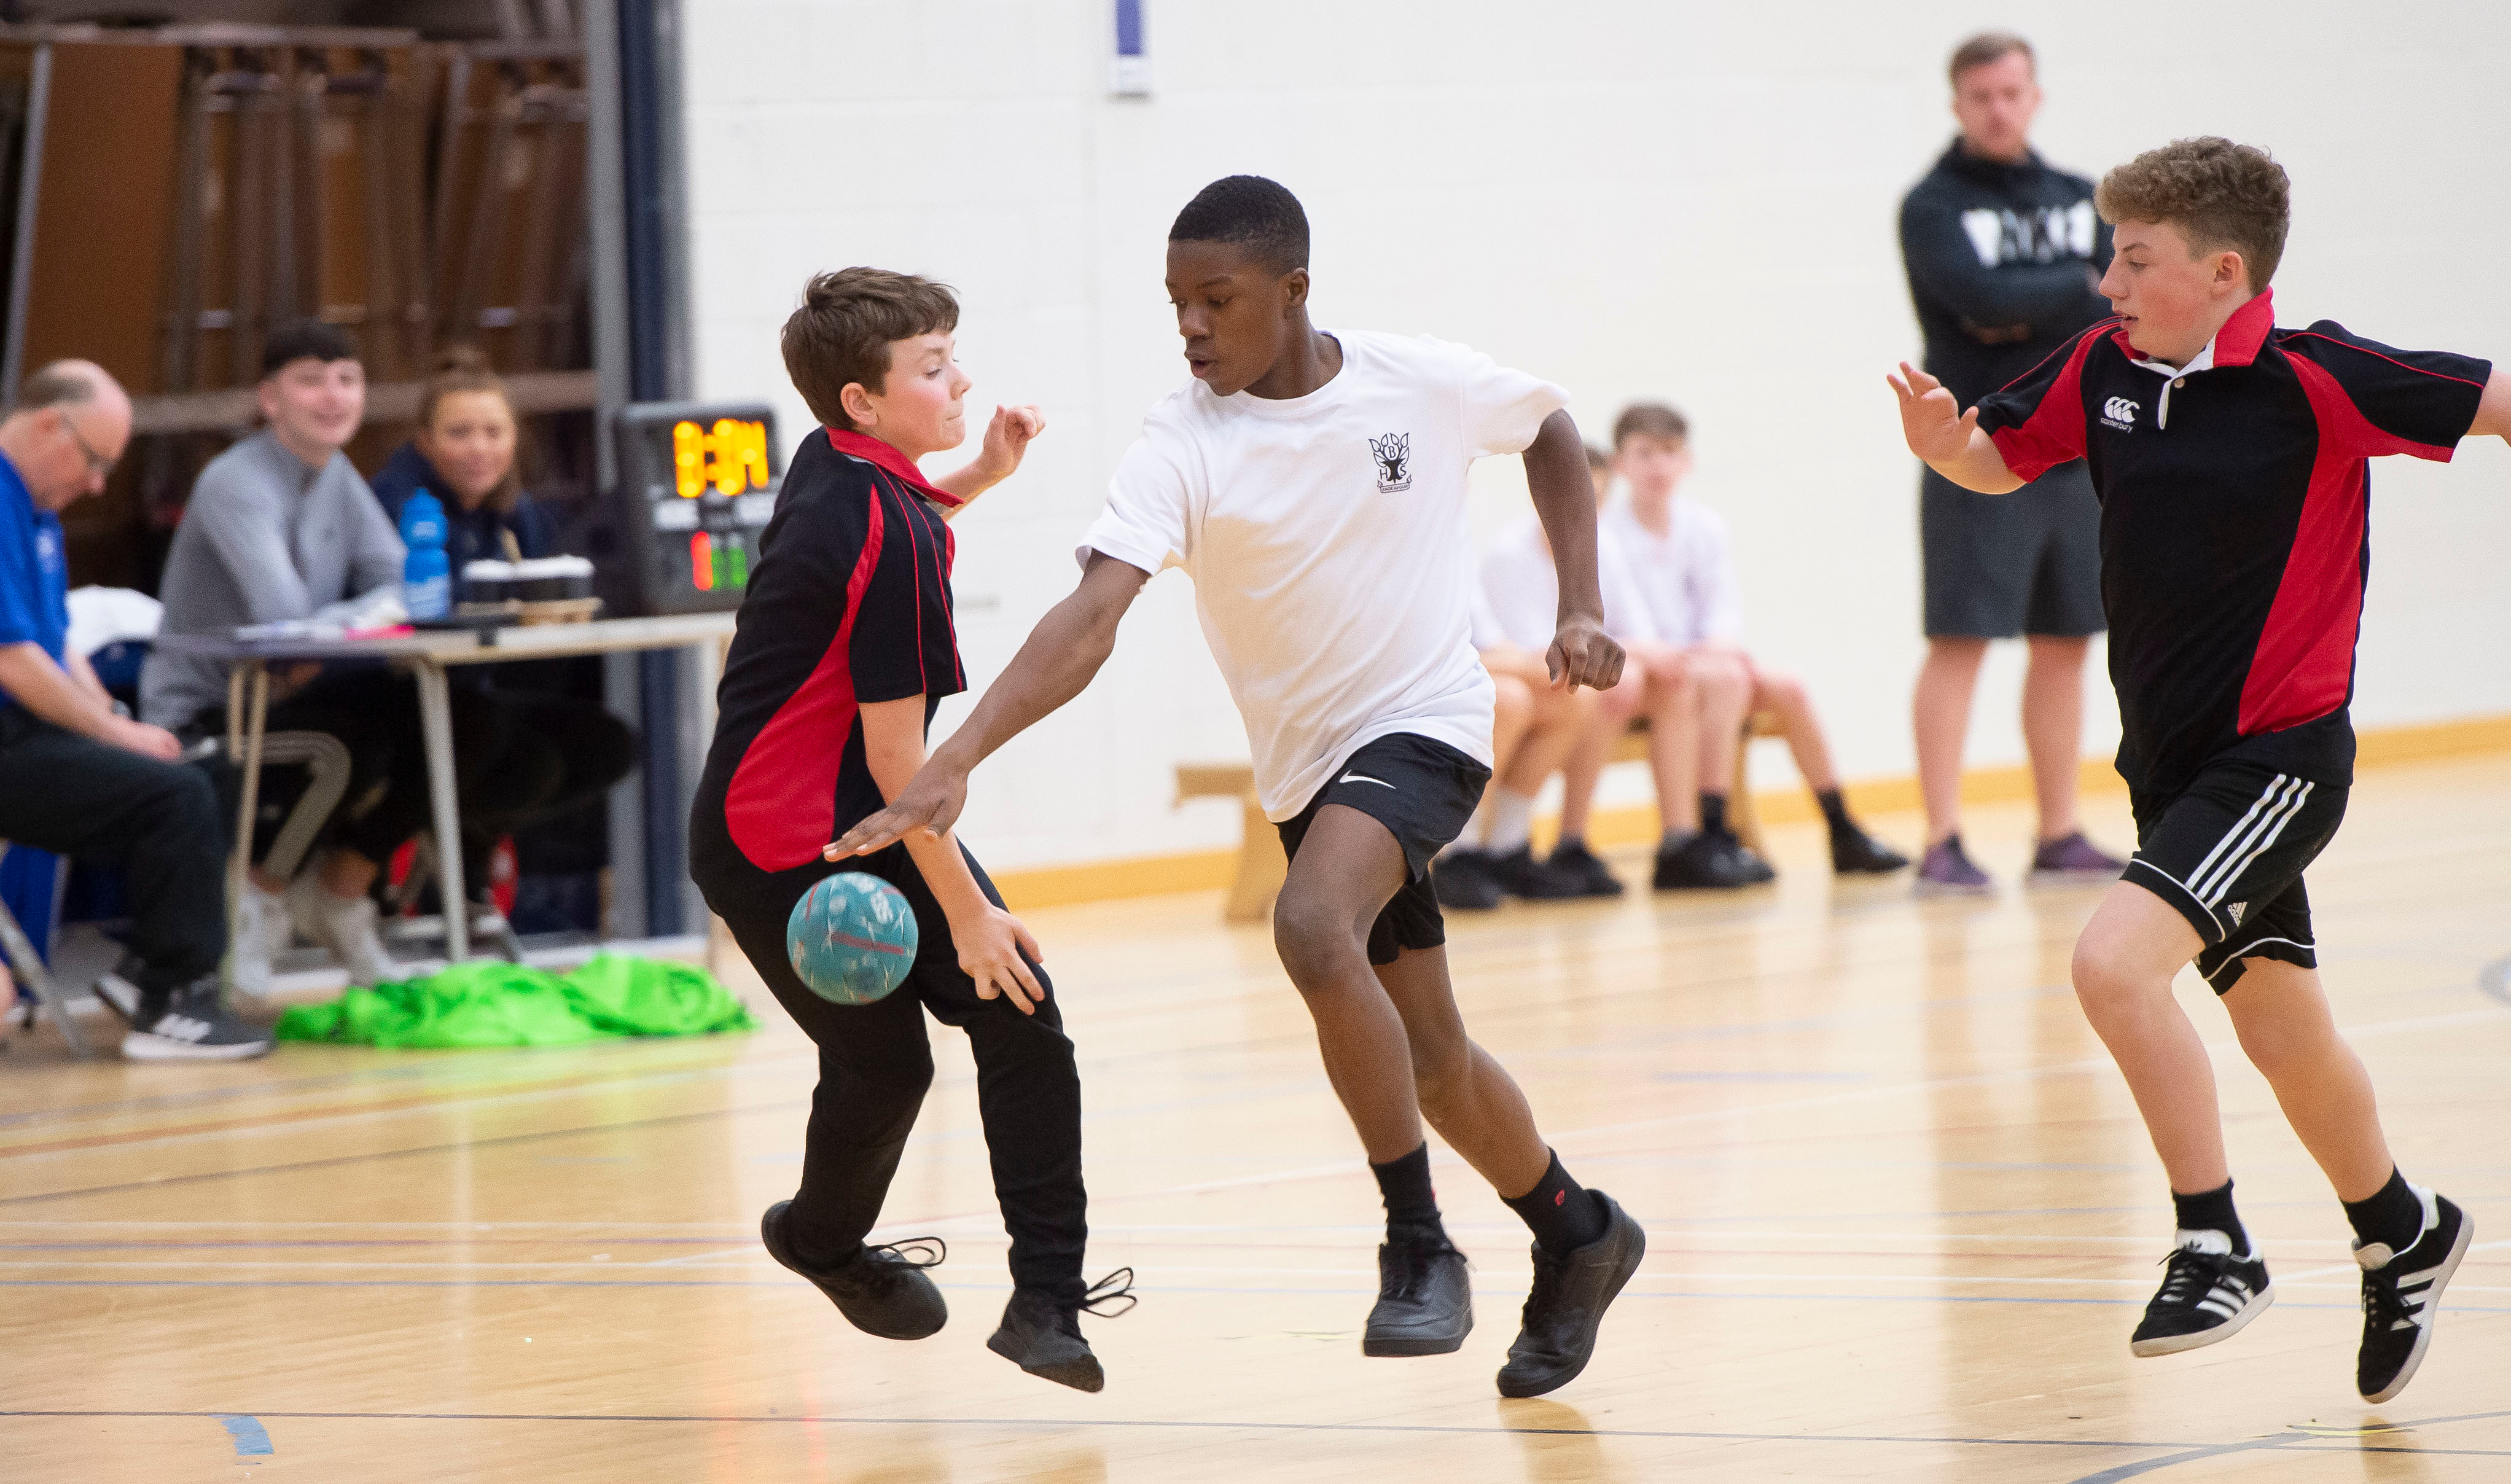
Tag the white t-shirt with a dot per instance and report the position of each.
(1686, 577)
(1325, 536)
(1523, 588)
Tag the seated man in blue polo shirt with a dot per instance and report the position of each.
(76, 776)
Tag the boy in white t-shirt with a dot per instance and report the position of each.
(1678, 550)
(1313, 486)
(1535, 725)
(1519, 588)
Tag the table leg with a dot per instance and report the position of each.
(248, 713)
(436, 722)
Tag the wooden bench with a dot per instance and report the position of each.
(1263, 867)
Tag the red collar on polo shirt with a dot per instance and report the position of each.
(2235, 344)
(873, 450)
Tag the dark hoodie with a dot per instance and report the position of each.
(1997, 256)
(470, 535)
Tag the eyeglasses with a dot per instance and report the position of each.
(96, 463)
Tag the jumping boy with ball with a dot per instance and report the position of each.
(844, 647)
(2231, 460)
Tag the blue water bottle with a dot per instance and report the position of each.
(426, 573)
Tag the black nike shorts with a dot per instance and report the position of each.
(1996, 566)
(2228, 852)
(1424, 793)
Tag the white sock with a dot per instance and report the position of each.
(1512, 822)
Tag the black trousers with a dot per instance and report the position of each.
(159, 823)
(875, 1066)
(517, 757)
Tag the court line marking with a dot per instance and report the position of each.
(2187, 1452)
(1494, 1290)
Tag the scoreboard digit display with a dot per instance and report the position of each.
(699, 483)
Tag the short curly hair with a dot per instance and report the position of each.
(2218, 193)
(1252, 213)
(842, 332)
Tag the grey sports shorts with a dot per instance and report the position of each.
(2002, 564)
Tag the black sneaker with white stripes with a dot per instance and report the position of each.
(2401, 1292)
(192, 1026)
(2206, 1295)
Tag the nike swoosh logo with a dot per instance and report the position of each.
(1365, 778)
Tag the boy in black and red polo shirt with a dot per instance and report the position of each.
(844, 647)
(2230, 457)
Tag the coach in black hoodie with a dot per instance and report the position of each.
(2003, 254)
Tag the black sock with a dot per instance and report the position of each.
(1404, 1183)
(1563, 1214)
(2211, 1211)
(1834, 812)
(2393, 1214)
(1713, 813)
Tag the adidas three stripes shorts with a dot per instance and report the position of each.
(2228, 852)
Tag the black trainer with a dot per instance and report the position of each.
(192, 1026)
(883, 1291)
(1042, 1334)
(1713, 860)
(1463, 882)
(2400, 1293)
(1854, 852)
(2206, 1295)
(1575, 864)
(1425, 1305)
(1568, 1304)
(1520, 875)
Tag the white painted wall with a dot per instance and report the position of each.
(1687, 200)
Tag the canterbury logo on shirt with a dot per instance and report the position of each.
(2119, 413)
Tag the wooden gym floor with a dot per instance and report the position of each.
(1902, 1219)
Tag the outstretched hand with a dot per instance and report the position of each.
(931, 803)
(1582, 655)
(1933, 424)
(1007, 441)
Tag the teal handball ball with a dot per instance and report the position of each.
(851, 938)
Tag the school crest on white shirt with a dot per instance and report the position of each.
(1394, 455)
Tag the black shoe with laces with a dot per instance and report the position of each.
(2401, 1291)
(1041, 1334)
(881, 1291)
(1425, 1303)
(1573, 864)
(1462, 880)
(190, 1026)
(1520, 875)
(2206, 1295)
(1566, 1305)
(1854, 852)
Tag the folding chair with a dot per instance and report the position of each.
(30, 969)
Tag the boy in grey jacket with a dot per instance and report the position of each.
(282, 526)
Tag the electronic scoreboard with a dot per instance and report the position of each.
(698, 482)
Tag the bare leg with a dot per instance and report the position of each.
(1940, 713)
(1347, 868)
(2124, 964)
(1512, 713)
(1589, 750)
(2282, 1016)
(1784, 696)
(1464, 1093)
(2053, 728)
(1724, 682)
(347, 875)
(1563, 720)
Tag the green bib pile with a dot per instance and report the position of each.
(490, 1002)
